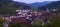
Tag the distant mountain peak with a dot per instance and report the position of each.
(38, 4)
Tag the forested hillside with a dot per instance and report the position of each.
(9, 6)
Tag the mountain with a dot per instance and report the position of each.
(21, 5)
(53, 5)
(8, 6)
(37, 4)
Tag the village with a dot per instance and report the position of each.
(27, 17)
(27, 13)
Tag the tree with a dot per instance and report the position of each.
(6, 7)
(1, 21)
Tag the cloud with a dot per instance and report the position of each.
(32, 1)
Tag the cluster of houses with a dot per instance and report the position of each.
(27, 16)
